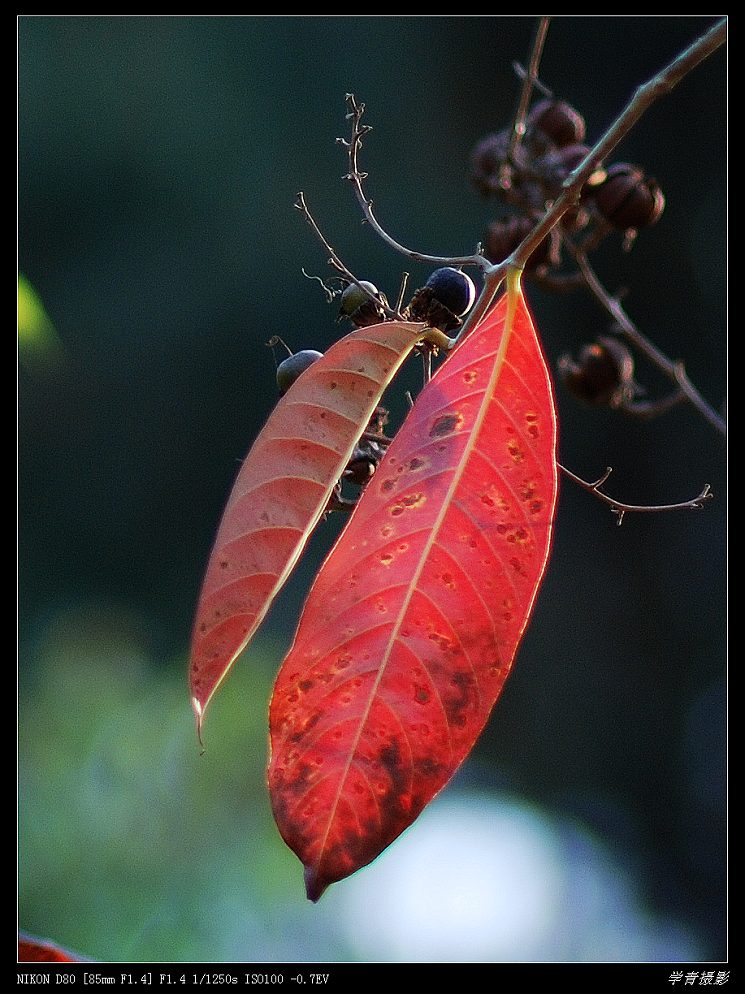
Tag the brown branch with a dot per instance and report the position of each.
(646, 410)
(356, 177)
(645, 96)
(620, 508)
(673, 369)
(526, 91)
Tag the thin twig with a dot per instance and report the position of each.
(646, 410)
(521, 72)
(494, 274)
(620, 508)
(673, 369)
(302, 206)
(356, 177)
(526, 92)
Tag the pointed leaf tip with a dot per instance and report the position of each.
(314, 886)
(199, 715)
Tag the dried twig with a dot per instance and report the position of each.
(336, 262)
(620, 508)
(356, 177)
(673, 369)
(526, 91)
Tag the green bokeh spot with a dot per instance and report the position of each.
(38, 341)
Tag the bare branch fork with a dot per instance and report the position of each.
(530, 78)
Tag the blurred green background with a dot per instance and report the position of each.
(159, 158)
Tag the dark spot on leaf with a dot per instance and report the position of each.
(446, 424)
(416, 462)
(387, 485)
(428, 767)
(517, 566)
(536, 506)
(421, 694)
(515, 451)
(305, 685)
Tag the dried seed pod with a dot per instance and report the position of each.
(558, 121)
(603, 374)
(487, 161)
(503, 237)
(629, 199)
(554, 167)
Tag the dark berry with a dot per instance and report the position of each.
(628, 198)
(354, 296)
(558, 121)
(364, 462)
(503, 237)
(291, 367)
(603, 374)
(453, 289)
(443, 300)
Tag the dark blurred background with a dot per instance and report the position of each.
(159, 159)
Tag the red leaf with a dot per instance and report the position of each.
(33, 950)
(411, 627)
(282, 490)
